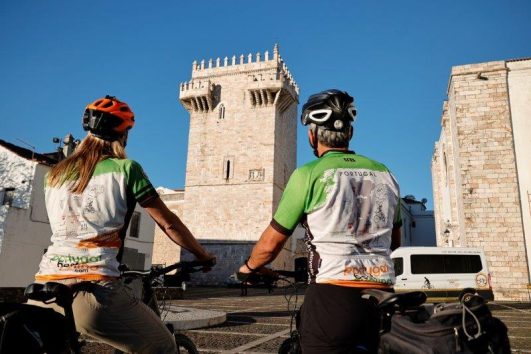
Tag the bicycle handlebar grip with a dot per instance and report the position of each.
(209, 264)
(251, 278)
(191, 264)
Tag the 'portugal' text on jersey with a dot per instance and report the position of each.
(348, 205)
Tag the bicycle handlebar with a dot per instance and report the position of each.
(257, 277)
(184, 266)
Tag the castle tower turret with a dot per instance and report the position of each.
(242, 150)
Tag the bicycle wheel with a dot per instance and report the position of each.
(184, 344)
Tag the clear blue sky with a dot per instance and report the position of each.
(393, 56)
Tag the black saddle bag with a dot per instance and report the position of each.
(31, 329)
(467, 327)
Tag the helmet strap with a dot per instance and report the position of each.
(124, 137)
(315, 141)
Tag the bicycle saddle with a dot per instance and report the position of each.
(385, 298)
(45, 292)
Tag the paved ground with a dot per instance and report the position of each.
(256, 323)
(260, 322)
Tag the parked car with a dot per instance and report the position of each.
(443, 273)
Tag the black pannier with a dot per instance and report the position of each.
(31, 329)
(463, 327)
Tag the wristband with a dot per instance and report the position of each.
(247, 265)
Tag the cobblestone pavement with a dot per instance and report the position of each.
(256, 323)
(259, 322)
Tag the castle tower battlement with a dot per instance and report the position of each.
(270, 81)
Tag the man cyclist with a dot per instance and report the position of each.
(90, 198)
(350, 208)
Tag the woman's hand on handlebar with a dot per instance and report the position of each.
(207, 257)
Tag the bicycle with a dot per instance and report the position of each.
(387, 304)
(291, 344)
(63, 296)
(408, 325)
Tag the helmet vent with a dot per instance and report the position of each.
(320, 115)
(125, 109)
(107, 104)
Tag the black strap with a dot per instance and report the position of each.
(83, 286)
(248, 267)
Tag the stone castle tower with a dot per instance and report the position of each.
(241, 151)
(481, 170)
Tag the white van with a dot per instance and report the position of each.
(443, 273)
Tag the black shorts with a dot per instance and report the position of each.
(335, 319)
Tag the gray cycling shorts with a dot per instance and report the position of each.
(110, 313)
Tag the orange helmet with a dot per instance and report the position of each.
(108, 118)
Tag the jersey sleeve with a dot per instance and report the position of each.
(139, 185)
(292, 204)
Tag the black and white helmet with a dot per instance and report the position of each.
(330, 109)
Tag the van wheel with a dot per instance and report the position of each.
(466, 294)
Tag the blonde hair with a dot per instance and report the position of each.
(80, 166)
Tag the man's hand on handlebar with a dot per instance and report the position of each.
(248, 277)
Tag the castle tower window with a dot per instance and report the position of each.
(221, 111)
(8, 195)
(228, 167)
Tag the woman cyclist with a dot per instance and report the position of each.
(90, 197)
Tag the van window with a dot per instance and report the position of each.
(447, 263)
(462, 263)
(399, 265)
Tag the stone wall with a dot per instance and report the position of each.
(166, 251)
(520, 102)
(475, 176)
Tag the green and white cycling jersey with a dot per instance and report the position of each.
(348, 205)
(88, 229)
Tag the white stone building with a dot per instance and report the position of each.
(165, 252)
(481, 170)
(24, 227)
(418, 223)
